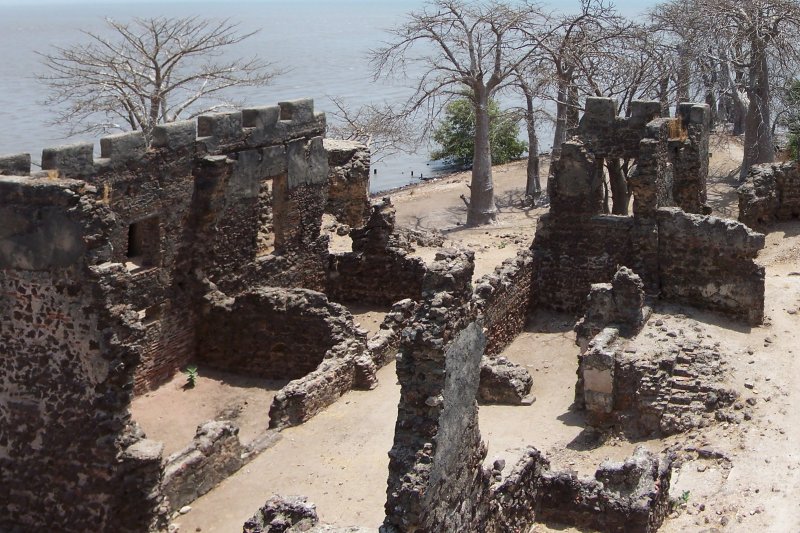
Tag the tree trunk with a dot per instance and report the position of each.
(682, 75)
(663, 96)
(619, 187)
(758, 145)
(482, 209)
(573, 114)
(532, 186)
(560, 131)
(709, 83)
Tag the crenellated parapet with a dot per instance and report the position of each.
(211, 134)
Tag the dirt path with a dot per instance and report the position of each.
(338, 459)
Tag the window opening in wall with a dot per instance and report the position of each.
(144, 242)
(265, 239)
(272, 205)
(151, 315)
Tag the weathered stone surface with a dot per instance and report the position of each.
(15, 165)
(435, 463)
(348, 181)
(71, 161)
(619, 303)
(384, 345)
(770, 193)
(275, 333)
(300, 110)
(682, 161)
(704, 262)
(570, 254)
(503, 382)
(575, 186)
(709, 263)
(223, 127)
(504, 299)
(632, 496)
(103, 282)
(646, 394)
(213, 455)
(378, 270)
(123, 147)
(179, 135)
(68, 352)
(283, 515)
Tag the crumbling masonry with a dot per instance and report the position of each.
(770, 193)
(119, 271)
(206, 247)
(699, 260)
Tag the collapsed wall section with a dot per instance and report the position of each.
(770, 193)
(378, 270)
(703, 261)
(69, 454)
(348, 181)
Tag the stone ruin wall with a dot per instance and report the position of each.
(379, 270)
(504, 300)
(274, 333)
(107, 264)
(247, 214)
(348, 182)
(770, 194)
(437, 480)
(642, 394)
(709, 262)
(576, 245)
(68, 452)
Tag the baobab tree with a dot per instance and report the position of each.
(567, 44)
(748, 40)
(532, 81)
(149, 71)
(458, 47)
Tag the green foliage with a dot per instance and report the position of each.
(792, 121)
(794, 145)
(191, 376)
(455, 134)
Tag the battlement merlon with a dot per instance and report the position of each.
(15, 165)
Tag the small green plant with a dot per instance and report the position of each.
(191, 376)
(679, 504)
(502, 244)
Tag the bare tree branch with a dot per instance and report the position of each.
(146, 72)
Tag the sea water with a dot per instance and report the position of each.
(321, 46)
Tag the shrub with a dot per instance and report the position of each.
(455, 134)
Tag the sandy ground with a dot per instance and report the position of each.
(172, 413)
(339, 458)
